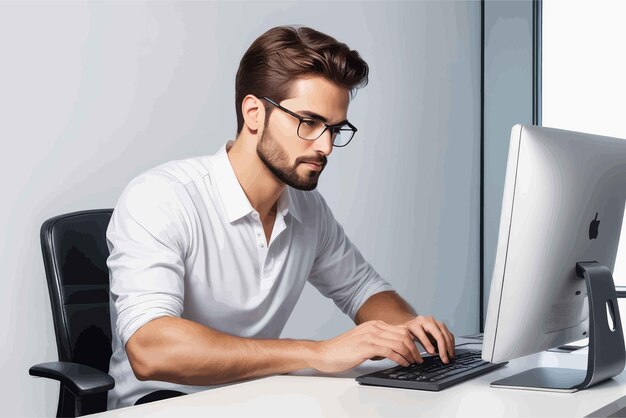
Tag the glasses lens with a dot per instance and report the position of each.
(310, 129)
(343, 137)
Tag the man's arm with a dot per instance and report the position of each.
(386, 306)
(181, 351)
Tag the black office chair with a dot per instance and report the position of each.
(75, 253)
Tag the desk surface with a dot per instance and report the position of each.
(310, 393)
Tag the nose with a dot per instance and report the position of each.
(324, 144)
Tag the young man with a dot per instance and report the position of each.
(210, 254)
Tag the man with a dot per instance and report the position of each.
(210, 254)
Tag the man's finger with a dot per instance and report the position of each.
(419, 332)
(400, 332)
(385, 347)
(446, 336)
(452, 339)
(433, 329)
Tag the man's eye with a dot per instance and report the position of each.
(310, 122)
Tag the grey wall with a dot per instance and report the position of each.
(94, 93)
(508, 101)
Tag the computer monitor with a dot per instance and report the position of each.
(560, 225)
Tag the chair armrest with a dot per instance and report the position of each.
(80, 379)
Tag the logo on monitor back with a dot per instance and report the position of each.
(593, 228)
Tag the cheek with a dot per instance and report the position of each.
(283, 127)
(291, 149)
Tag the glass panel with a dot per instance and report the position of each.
(583, 66)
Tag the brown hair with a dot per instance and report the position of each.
(285, 53)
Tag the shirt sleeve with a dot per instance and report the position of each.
(147, 241)
(339, 271)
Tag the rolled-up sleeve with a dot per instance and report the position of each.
(147, 241)
(339, 271)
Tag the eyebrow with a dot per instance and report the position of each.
(320, 117)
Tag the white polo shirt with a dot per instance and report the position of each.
(185, 242)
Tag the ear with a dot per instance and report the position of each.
(253, 113)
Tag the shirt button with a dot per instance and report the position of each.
(261, 245)
(255, 215)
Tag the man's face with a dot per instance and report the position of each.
(294, 161)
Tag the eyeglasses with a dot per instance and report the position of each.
(311, 128)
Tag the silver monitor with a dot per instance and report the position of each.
(560, 225)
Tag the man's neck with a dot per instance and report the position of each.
(257, 181)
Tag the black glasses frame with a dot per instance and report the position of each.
(331, 128)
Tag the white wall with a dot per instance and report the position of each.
(91, 94)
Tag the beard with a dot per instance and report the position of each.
(276, 160)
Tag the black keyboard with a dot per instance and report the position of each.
(432, 374)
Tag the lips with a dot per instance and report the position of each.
(314, 166)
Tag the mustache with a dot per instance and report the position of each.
(319, 161)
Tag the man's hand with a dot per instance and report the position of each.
(431, 332)
(369, 340)
(376, 340)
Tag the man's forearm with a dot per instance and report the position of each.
(385, 306)
(182, 351)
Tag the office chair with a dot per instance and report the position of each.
(75, 253)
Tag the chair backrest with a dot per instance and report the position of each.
(75, 253)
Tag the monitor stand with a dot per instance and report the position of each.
(606, 355)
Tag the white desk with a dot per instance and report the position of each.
(308, 393)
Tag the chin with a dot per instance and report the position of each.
(305, 186)
(308, 188)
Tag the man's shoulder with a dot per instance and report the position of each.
(166, 182)
(182, 171)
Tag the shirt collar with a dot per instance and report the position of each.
(288, 203)
(234, 198)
